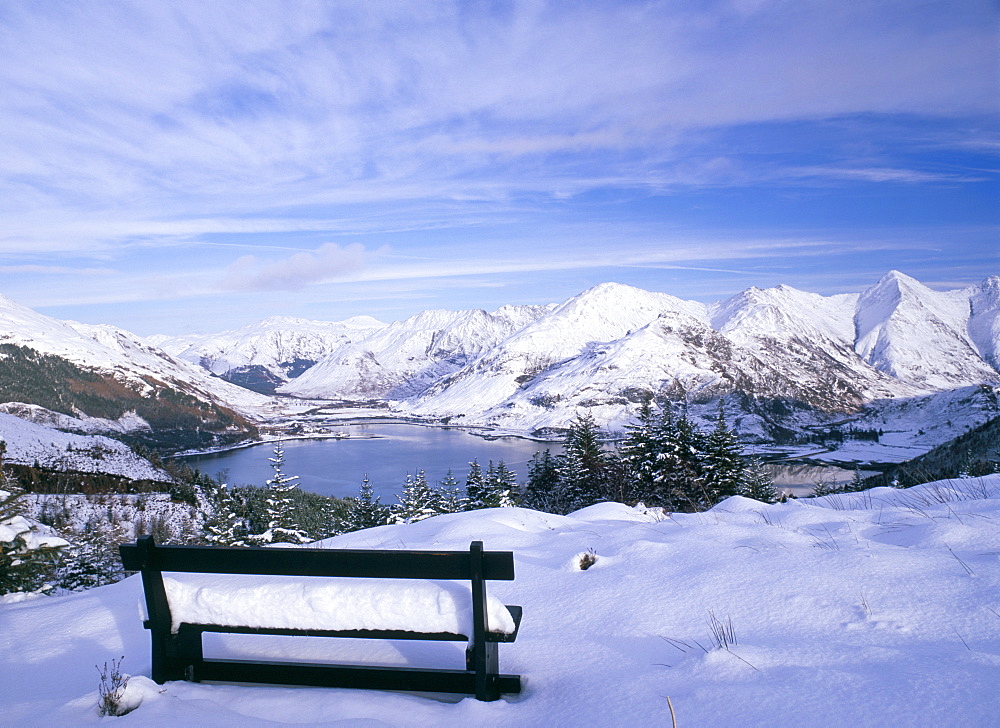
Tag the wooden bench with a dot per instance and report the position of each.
(177, 646)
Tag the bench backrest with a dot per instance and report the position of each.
(145, 555)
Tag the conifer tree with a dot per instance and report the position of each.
(857, 482)
(281, 524)
(582, 466)
(475, 486)
(757, 484)
(506, 486)
(499, 485)
(721, 464)
(28, 559)
(450, 498)
(639, 454)
(417, 501)
(365, 510)
(678, 477)
(92, 559)
(542, 486)
(222, 526)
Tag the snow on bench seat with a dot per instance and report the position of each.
(283, 602)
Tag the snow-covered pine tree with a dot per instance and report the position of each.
(857, 483)
(28, 558)
(475, 486)
(757, 484)
(499, 485)
(417, 501)
(639, 452)
(582, 466)
(365, 510)
(542, 485)
(92, 559)
(721, 464)
(506, 486)
(678, 471)
(222, 526)
(450, 497)
(281, 524)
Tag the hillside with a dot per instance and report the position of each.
(976, 452)
(870, 609)
(105, 373)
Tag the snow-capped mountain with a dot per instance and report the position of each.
(266, 354)
(405, 358)
(100, 373)
(984, 319)
(919, 336)
(789, 357)
(781, 358)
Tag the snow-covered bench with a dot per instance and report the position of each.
(371, 605)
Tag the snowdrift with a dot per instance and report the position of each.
(870, 609)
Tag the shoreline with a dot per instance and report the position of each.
(768, 453)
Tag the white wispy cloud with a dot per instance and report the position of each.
(329, 261)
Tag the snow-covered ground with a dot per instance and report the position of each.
(29, 443)
(871, 609)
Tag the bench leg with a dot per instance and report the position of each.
(176, 656)
(486, 664)
(188, 653)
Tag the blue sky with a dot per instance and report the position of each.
(175, 167)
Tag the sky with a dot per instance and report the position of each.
(182, 167)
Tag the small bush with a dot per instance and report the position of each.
(112, 688)
(587, 559)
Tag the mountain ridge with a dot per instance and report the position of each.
(781, 359)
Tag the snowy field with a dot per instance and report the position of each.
(871, 609)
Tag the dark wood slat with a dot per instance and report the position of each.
(415, 679)
(497, 565)
(338, 676)
(371, 634)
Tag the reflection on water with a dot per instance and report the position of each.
(387, 452)
(800, 479)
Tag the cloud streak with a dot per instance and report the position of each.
(329, 262)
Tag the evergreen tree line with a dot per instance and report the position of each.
(664, 460)
(283, 513)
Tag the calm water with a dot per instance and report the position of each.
(387, 452)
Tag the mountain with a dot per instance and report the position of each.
(407, 357)
(784, 359)
(265, 355)
(105, 373)
(984, 319)
(920, 336)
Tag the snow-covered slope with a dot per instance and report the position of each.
(29, 443)
(920, 336)
(120, 355)
(406, 357)
(114, 351)
(984, 319)
(791, 357)
(869, 609)
(281, 346)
